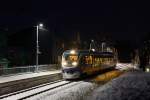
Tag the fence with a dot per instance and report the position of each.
(23, 69)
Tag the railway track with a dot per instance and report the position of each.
(27, 93)
(24, 90)
(17, 85)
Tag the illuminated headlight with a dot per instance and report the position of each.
(147, 70)
(72, 51)
(64, 63)
(74, 63)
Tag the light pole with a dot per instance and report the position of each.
(103, 46)
(92, 48)
(39, 26)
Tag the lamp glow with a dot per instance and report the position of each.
(93, 50)
(40, 25)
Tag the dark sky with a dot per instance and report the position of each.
(124, 20)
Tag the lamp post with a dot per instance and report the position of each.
(91, 48)
(39, 26)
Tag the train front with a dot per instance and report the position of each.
(70, 64)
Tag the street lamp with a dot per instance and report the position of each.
(39, 26)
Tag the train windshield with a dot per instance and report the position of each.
(71, 58)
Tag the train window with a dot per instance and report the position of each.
(71, 58)
(96, 62)
(100, 60)
(87, 60)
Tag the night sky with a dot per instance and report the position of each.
(126, 23)
(124, 20)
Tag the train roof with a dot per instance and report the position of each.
(89, 51)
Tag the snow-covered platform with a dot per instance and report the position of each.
(15, 82)
(15, 77)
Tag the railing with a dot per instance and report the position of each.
(23, 69)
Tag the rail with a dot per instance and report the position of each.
(25, 94)
(31, 68)
(29, 89)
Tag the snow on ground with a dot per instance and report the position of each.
(4, 79)
(83, 90)
(126, 66)
(73, 92)
(130, 86)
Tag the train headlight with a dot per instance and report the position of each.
(74, 63)
(64, 63)
(72, 51)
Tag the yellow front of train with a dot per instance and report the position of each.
(70, 64)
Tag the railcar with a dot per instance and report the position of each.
(76, 63)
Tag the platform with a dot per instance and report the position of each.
(16, 82)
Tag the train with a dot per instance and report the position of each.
(78, 63)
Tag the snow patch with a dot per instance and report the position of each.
(130, 86)
(76, 92)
